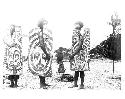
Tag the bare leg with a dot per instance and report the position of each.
(42, 82)
(82, 79)
(11, 80)
(75, 79)
(12, 83)
(16, 79)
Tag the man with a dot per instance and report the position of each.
(12, 59)
(40, 53)
(78, 57)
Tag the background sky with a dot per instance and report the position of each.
(61, 15)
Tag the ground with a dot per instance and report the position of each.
(100, 76)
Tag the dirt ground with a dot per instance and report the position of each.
(100, 76)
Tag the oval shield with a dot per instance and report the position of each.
(37, 63)
(14, 59)
(39, 47)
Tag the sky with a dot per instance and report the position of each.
(61, 15)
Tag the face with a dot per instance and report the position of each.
(75, 39)
(76, 26)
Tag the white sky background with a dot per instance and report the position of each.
(61, 15)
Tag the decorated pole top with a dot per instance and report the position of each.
(115, 22)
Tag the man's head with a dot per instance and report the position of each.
(12, 30)
(78, 25)
(42, 23)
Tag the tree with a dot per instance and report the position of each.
(111, 47)
(62, 53)
(114, 41)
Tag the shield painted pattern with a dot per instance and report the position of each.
(13, 60)
(37, 63)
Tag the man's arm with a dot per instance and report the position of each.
(44, 50)
(77, 49)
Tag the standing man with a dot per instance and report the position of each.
(13, 55)
(40, 57)
(79, 54)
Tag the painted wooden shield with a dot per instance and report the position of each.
(37, 63)
(13, 59)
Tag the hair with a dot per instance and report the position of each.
(41, 23)
(80, 25)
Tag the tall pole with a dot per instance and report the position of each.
(114, 26)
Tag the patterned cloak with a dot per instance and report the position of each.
(13, 53)
(80, 61)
